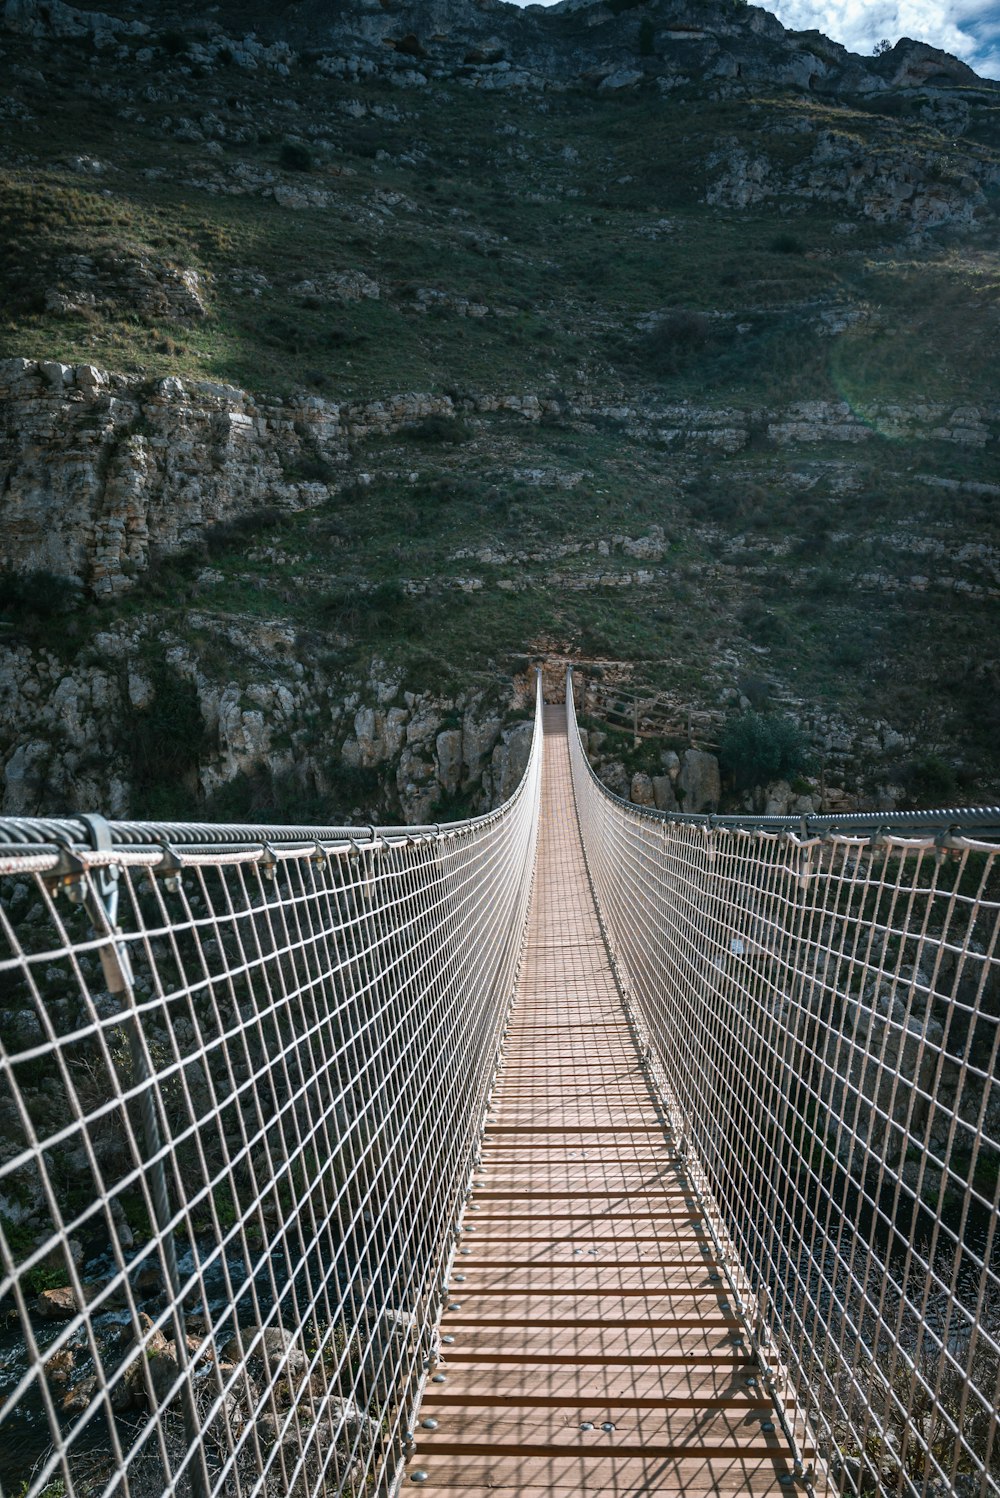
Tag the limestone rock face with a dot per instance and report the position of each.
(448, 745)
(641, 790)
(911, 64)
(496, 46)
(699, 781)
(62, 747)
(492, 45)
(730, 50)
(510, 758)
(885, 186)
(100, 472)
(664, 795)
(378, 737)
(41, 18)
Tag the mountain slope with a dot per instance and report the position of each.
(663, 339)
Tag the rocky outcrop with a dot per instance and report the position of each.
(694, 786)
(729, 49)
(67, 733)
(492, 45)
(133, 281)
(51, 18)
(100, 472)
(921, 188)
(698, 782)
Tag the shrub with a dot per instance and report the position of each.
(296, 157)
(848, 653)
(386, 608)
(37, 595)
(438, 429)
(930, 782)
(756, 690)
(787, 244)
(309, 464)
(763, 626)
(759, 747)
(285, 799)
(174, 42)
(228, 533)
(675, 340)
(163, 744)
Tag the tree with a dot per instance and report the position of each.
(758, 747)
(882, 47)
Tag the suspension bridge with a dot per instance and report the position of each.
(573, 1148)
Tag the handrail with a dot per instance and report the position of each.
(822, 1019)
(954, 820)
(31, 832)
(243, 1079)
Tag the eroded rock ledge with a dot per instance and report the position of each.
(100, 472)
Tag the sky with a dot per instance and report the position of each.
(969, 29)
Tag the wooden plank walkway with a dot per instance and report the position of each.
(589, 1344)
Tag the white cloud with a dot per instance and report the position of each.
(969, 29)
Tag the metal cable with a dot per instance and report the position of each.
(823, 1020)
(241, 1091)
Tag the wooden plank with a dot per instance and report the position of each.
(694, 1343)
(598, 1261)
(599, 1215)
(626, 1477)
(700, 1384)
(643, 1126)
(586, 1289)
(583, 1278)
(637, 1426)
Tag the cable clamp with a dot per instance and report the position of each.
(946, 842)
(169, 869)
(878, 838)
(69, 877)
(96, 889)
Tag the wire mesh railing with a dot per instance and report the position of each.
(822, 1014)
(243, 1078)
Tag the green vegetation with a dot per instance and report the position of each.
(559, 250)
(930, 782)
(163, 741)
(262, 796)
(583, 250)
(33, 600)
(757, 748)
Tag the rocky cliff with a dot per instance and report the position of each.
(731, 48)
(353, 356)
(103, 474)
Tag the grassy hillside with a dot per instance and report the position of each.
(358, 240)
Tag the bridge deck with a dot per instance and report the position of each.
(589, 1345)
